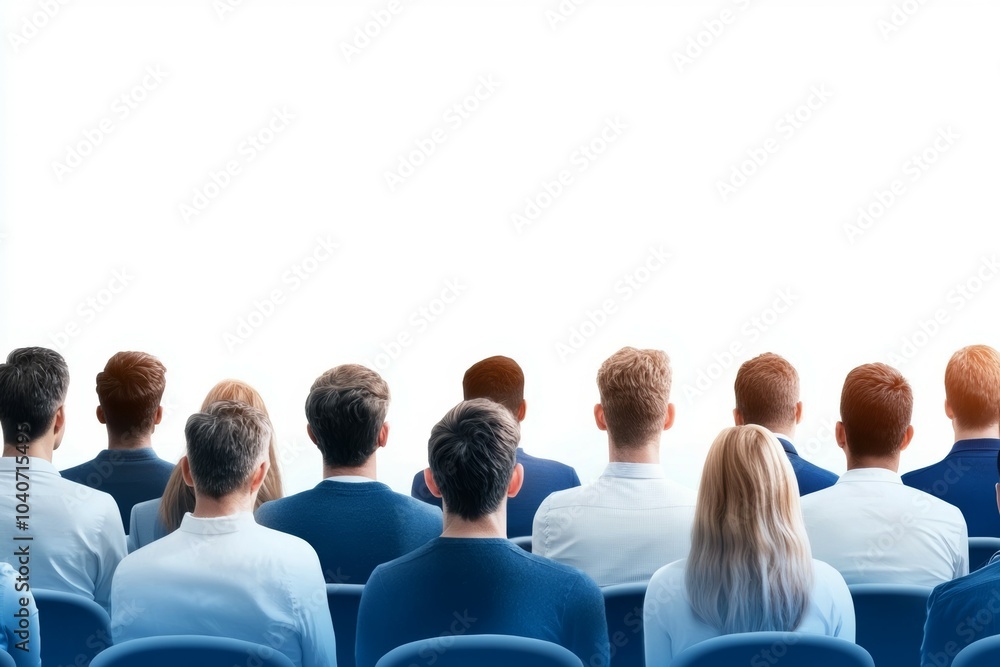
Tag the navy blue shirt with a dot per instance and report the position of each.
(966, 478)
(480, 586)
(809, 476)
(960, 612)
(353, 526)
(130, 475)
(542, 477)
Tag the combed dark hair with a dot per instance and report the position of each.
(472, 453)
(499, 379)
(130, 389)
(767, 391)
(875, 407)
(225, 443)
(33, 384)
(346, 408)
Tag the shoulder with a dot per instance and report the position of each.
(78, 472)
(564, 498)
(548, 465)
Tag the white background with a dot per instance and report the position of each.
(894, 75)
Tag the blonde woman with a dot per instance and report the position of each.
(153, 519)
(750, 568)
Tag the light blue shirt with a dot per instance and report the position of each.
(229, 577)
(20, 641)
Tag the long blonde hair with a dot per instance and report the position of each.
(178, 497)
(750, 566)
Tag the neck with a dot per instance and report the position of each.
(491, 525)
(365, 470)
(116, 441)
(234, 503)
(886, 462)
(786, 430)
(645, 453)
(39, 449)
(991, 431)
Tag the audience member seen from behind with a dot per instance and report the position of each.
(749, 568)
(868, 525)
(767, 394)
(220, 573)
(472, 580)
(78, 538)
(353, 521)
(965, 477)
(632, 520)
(501, 380)
(129, 391)
(19, 636)
(153, 519)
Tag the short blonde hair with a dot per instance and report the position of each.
(972, 386)
(635, 389)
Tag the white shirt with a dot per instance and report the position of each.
(874, 529)
(620, 529)
(78, 537)
(670, 625)
(228, 577)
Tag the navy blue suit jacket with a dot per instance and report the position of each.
(965, 478)
(542, 477)
(809, 476)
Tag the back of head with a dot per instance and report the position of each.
(972, 386)
(346, 408)
(635, 389)
(225, 444)
(499, 379)
(130, 389)
(750, 566)
(767, 391)
(472, 452)
(875, 407)
(33, 384)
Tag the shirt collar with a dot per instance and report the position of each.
(870, 475)
(35, 464)
(139, 454)
(634, 470)
(976, 444)
(217, 525)
(356, 479)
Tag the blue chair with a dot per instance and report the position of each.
(890, 621)
(6, 660)
(523, 542)
(73, 628)
(481, 651)
(981, 549)
(189, 651)
(344, 600)
(623, 609)
(981, 653)
(784, 649)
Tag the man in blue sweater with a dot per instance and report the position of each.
(129, 389)
(472, 580)
(352, 521)
(501, 380)
(965, 478)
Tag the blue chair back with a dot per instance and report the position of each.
(890, 621)
(787, 649)
(344, 600)
(981, 653)
(481, 651)
(981, 549)
(524, 542)
(6, 660)
(623, 609)
(73, 629)
(189, 651)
